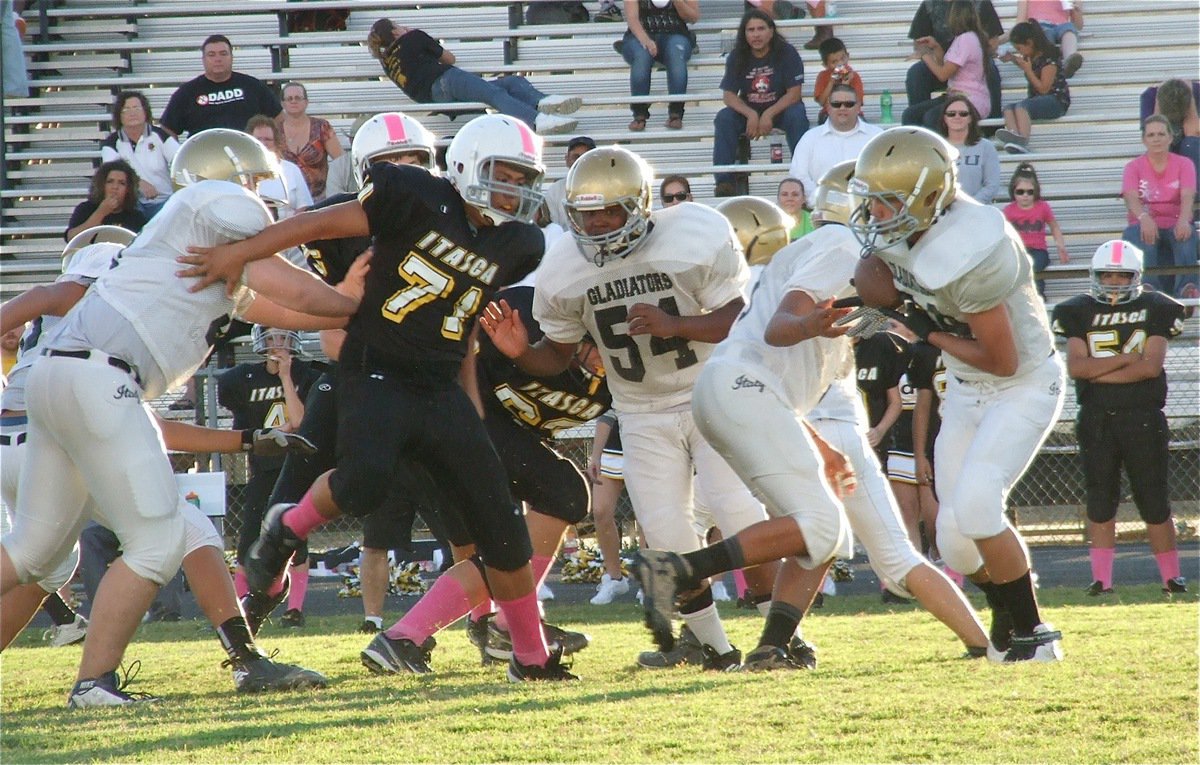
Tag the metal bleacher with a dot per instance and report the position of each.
(82, 52)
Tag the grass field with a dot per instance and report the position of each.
(889, 688)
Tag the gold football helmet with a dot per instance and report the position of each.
(219, 154)
(761, 226)
(831, 202)
(601, 178)
(910, 170)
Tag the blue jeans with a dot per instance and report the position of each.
(1043, 107)
(1041, 259)
(1165, 252)
(920, 84)
(674, 51)
(1055, 32)
(729, 124)
(511, 95)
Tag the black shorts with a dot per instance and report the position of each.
(412, 494)
(552, 484)
(319, 426)
(1136, 439)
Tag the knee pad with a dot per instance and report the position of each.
(958, 552)
(156, 551)
(61, 574)
(979, 505)
(359, 488)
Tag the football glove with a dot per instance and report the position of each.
(274, 442)
(915, 319)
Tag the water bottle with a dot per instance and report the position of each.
(192, 498)
(885, 107)
(830, 9)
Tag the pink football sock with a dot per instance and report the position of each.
(299, 587)
(525, 629)
(303, 518)
(954, 576)
(445, 603)
(1102, 564)
(1168, 564)
(739, 583)
(239, 582)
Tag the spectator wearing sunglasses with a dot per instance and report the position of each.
(978, 161)
(841, 138)
(1030, 215)
(674, 190)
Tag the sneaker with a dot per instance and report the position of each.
(560, 104)
(257, 606)
(608, 590)
(1043, 645)
(1175, 586)
(545, 593)
(1072, 64)
(385, 656)
(660, 573)
(258, 673)
(687, 650)
(68, 634)
(293, 617)
(893, 599)
(1004, 135)
(1097, 588)
(611, 13)
(554, 669)
(270, 553)
(730, 661)
(549, 124)
(1015, 148)
(802, 652)
(1000, 635)
(766, 658)
(719, 592)
(105, 691)
(368, 627)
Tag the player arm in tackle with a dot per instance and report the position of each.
(292, 298)
(1083, 366)
(799, 318)
(226, 262)
(185, 437)
(1147, 366)
(711, 327)
(43, 300)
(545, 358)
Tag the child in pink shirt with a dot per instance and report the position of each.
(1030, 215)
(961, 66)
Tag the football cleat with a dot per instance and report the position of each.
(368, 627)
(257, 606)
(385, 656)
(802, 652)
(687, 650)
(892, 598)
(660, 574)
(766, 658)
(257, 673)
(976, 652)
(499, 641)
(1000, 635)
(1043, 646)
(1175, 586)
(477, 633)
(553, 669)
(270, 553)
(105, 691)
(730, 661)
(67, 634)
(293, 617)
(1097, 588)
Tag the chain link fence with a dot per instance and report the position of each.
(1048, 504)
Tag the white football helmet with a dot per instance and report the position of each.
(1121, 257)
(605, 176)
(472, 157)
(390, 133)
(95, 235)
(266, 339)
(220, 154)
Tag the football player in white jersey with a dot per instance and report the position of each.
(840, 418)
(973, 297)
(137, 333)
(656, 291)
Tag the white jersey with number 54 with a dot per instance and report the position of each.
(689, 264)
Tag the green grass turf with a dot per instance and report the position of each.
(890, 687)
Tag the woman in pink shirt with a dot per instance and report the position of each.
(961, 66)
(1159, 188)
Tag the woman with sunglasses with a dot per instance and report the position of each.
(978, 161)
(1030, 215)
(674, 190)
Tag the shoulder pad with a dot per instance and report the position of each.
(963, 238)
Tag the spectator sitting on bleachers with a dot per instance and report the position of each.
(836, 71)
(112, 201)
(1061, 21)
(978, 163)
(790, 196)
(292, 196)
(220, 97)
(146, 147)
(1048, 95)
(931, 26)
(838, 140)
(658, 31)
(760, 88)
(962, 66)
(674, 190)
(425, 71)
(1159, 188)
(1031, 215)
(1176, 100)
(309, 142)
(556, 193)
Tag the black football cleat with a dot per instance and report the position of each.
(257, 606)
(553, 670)
(385, 656)
(660, 573)
(270, 553)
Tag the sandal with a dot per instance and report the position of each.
(675, 122)
(638, 124)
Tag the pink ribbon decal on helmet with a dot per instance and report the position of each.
(395, 128)
(1118, 252)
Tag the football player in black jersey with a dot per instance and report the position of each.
(880, 360)
(442, 246)
(1116, 347)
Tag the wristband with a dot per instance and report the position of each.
(248, 440)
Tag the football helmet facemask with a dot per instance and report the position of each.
(267, 339)
(473, 155)
(601, 178)
(1119, 257)
(912, 172)
(390, 133)
(761, 226)
(220, 154)
(96, 235)
(831, 201)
